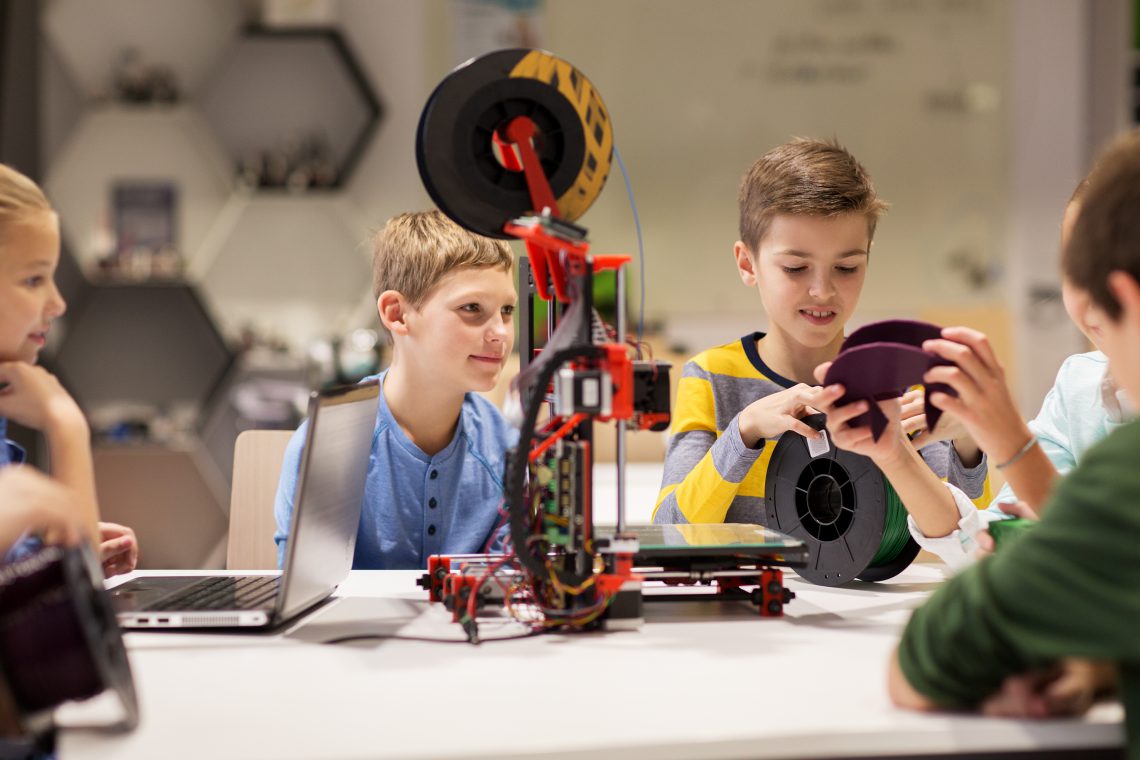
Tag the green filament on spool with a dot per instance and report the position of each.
(896, 535)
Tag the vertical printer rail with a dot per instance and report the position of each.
(518, 144)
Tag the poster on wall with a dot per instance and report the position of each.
(481, 26)
(146, 241)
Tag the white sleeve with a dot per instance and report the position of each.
(957, 549)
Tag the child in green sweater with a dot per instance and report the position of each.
(1071, 587)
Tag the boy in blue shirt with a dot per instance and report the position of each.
(446, 298)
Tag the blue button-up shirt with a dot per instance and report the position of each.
(417, 505)
(12, 453)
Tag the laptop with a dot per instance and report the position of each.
(322, 537)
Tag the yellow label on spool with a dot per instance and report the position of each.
(595, 126)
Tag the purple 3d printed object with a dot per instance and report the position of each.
(880, 361)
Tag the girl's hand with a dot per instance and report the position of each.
(34, 398)
(1020, 509)
(118, 548)
(984, 406)
(31, 502)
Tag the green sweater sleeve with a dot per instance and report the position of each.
(1071, 587)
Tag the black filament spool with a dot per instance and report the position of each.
(457, 162)
(59, 638)
(835, 503)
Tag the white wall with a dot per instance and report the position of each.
(973, 117)
(916, 89)
(1048, 154)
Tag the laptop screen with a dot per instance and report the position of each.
(330, 490)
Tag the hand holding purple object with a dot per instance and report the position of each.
(881, 361)
(979, 395)
(848, 427)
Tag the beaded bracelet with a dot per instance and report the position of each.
(1024, 450)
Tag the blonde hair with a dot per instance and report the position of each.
(806, 177)
(20, 197)
(415, 250)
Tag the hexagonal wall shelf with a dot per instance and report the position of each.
(264, 391)
(291, 267)
(148, 345)
(173, 498)
(184, 37)
(141, 143)
(281, 95)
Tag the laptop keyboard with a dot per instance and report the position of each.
(224, 593)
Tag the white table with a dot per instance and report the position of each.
(707, 680)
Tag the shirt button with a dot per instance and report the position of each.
(433, 503)
(434, 474)
(431, 530)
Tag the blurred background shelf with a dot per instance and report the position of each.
(292, 108)
(174, 498)
(141, 346)
(287, 267)
(186, 38)
(115, 144)
(257, 286)
(264, 390)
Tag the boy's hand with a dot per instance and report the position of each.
(118, 548)
(34, 398)
(891, 444)
(1014, 508)
(772, 415)
(984, 405)
(1068, 688)
(31, 502)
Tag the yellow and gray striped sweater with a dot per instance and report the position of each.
(711, 476)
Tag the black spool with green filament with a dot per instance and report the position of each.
(842, 507)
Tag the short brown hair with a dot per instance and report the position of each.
(19, 197)
(808, 177)
(1106, 236)
(1079, 192)
(415, 250)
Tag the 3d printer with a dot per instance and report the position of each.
(518, 144)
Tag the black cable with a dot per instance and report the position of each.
(518, 463)
(427, 639)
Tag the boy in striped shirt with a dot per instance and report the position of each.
(808, 212)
